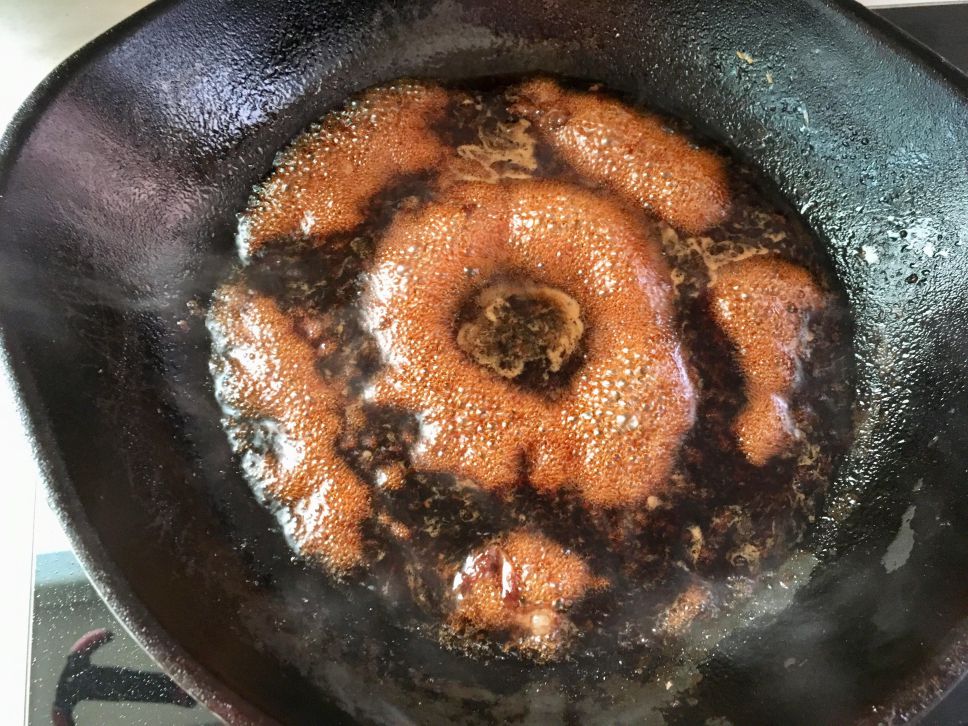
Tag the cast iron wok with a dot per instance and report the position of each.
(120, 183)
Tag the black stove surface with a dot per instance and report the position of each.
(943, 28)
(79, 674)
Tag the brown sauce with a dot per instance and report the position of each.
(529, 549)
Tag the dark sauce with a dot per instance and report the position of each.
(681, 563)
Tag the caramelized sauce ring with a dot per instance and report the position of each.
(265, 373)
(614, 431)
(632, 152)
(323, 183)
(763, 304)
(523, 584)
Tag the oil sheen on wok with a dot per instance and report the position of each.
(532, 360)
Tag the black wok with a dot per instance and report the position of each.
(120, 181)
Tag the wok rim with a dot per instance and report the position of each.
(107, 580)
(918, 695)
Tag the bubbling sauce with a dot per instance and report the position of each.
(533, 361)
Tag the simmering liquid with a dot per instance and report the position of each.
(533, 366)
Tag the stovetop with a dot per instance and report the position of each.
(86, 669)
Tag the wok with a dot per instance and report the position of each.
(121, 178)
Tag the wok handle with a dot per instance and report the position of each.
(80, 680)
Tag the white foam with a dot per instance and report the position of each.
(900, 549)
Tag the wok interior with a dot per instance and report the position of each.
(118, 222)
